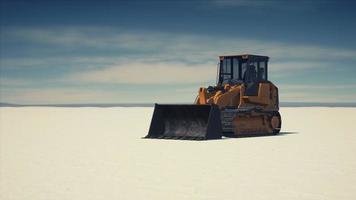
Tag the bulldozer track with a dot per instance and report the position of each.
(228, 116)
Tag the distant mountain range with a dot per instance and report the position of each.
(104, 105)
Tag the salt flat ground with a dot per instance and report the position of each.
(97, 153)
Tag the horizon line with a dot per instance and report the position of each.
(282, 104)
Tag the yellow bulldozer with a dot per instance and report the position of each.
(243, 102)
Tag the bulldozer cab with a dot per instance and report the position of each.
(243, 69)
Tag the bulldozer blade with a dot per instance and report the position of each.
(185, 122)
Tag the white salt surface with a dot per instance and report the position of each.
(98, 153)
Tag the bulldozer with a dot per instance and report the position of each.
(242, 103)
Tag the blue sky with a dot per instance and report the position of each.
(163, 51)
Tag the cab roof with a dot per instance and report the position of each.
(244, 56)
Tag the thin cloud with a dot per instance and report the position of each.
(7, 82)
(153, 59)
(148, 73)
(274, 4)
(243, 3)
(169, 45)
(65, 95)
(316, 86)
(58, 95)
(312, 96)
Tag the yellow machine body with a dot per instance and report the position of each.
(262, 116)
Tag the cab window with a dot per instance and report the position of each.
(235, 68)
(262, 71)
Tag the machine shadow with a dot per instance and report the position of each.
(230, 137)
(263, 135)
(251, 136)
